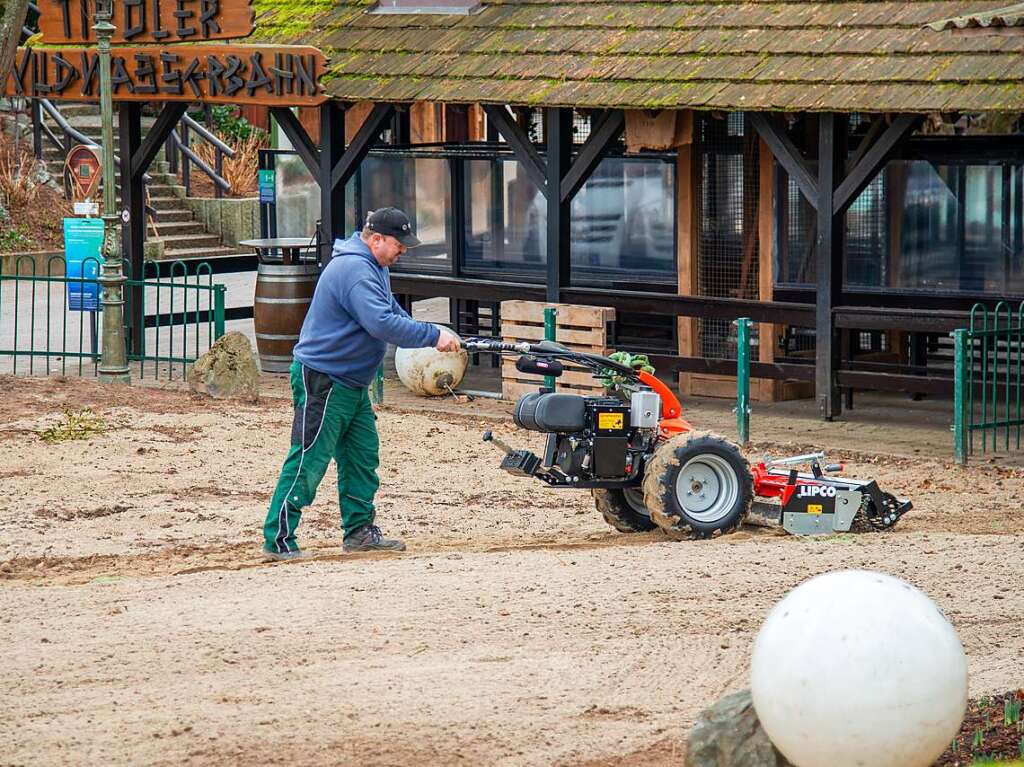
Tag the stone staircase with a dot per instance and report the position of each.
(179, 234)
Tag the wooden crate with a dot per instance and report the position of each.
(583, 328)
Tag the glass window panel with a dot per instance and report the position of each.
(505, 221)
(623, 224)
(920, 226)
(298, 197)
(920, 242)
(923, 229)
(419, 186)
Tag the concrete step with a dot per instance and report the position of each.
(178, 228)
(167, 203)
(190, 241)
(78, 109)
(169, 216)
(93, 133)
(163, 195)
(160, 190)
(87, 123)
(199, 253)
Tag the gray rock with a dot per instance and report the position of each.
(228, 370)
(728, 734)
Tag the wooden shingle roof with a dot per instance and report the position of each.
(803, 56)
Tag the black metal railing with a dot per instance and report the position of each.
(180, 154)
(65, 136)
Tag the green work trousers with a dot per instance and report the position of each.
(332, 420)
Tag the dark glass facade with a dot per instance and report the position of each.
(919, 226)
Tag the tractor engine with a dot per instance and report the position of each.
(592, 439)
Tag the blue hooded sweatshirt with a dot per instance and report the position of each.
(354, 316)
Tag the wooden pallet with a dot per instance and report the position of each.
(582, 328)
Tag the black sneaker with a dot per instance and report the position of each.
(370, 538)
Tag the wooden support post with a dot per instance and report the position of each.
(831, 161)
(401, 127)
(768, 389)
(687, 247)
(559, 150)
(458, 217)
(332, 197)
(133, 202)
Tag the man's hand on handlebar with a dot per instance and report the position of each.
(446, 342)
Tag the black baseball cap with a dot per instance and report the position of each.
(393, 222)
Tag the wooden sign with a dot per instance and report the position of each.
(69, 22)
(273, 75)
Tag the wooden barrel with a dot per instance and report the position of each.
(283, 295)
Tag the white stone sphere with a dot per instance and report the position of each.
(426, 371)
(857, 668)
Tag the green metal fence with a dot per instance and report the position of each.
(987, 381)
(183, 315)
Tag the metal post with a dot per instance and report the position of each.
(171, 156)
(960, 427)
(218, 310)
(186, 175)
(550, 313)
(743, 379)
(219, 168)
(113, 366)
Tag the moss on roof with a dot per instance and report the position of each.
(846, 56)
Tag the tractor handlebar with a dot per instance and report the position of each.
(549, 350)
(497, 347)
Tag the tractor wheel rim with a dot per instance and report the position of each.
(635, 501)
(707, 488)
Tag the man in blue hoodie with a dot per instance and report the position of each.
(351, 320)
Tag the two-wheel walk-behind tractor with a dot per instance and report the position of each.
(647, 467)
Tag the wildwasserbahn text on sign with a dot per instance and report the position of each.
(273, 75)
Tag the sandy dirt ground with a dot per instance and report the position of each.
(139, 626)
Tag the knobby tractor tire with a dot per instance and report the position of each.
(618, 512)
(697, 485)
